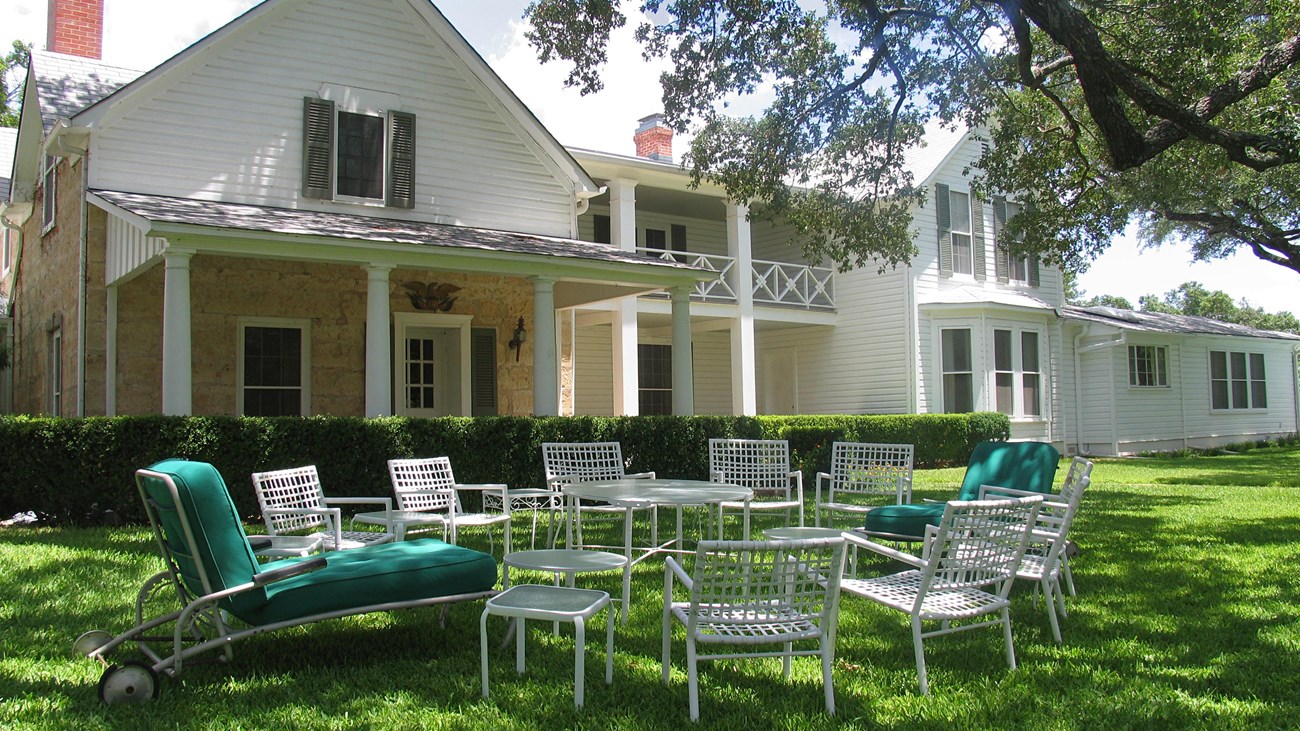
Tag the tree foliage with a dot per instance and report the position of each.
(1183, 114)
(12, 67)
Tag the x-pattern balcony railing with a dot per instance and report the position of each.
(773, 282)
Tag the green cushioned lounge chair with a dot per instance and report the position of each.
(225, 595)
(1019, 465)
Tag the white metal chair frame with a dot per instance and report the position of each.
(427, 494)
(1044, 559)
(566, 463)
(965, 571)
(292, 501)
(750, 595)
(862, 475)
(763, 465)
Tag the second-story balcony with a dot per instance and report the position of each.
(772, 283)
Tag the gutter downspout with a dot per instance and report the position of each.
(1295, 384)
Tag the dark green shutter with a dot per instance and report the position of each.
(678, 244)
(317, 148)
(401, 160)
(483, 371)
(977, 236)
(944, 216)
(1033, 260)
(1001, 260)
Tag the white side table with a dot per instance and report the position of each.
(569, 562)
(554, 604)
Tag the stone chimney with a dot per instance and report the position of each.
(76, 27)
(654, 139)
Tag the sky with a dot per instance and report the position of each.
(143, 33)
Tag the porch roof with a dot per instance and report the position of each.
(221, 227)
(1167, 323)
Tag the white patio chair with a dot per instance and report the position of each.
(965, 571)
(863, 476)
(293, 503)
(1044, 559)
(748, 596)
(428, 496)
(566, 463)
(762, 465)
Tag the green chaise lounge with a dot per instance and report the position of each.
(216, 577)
(1020, 465)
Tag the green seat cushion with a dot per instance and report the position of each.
(394, 572)
(1020, 465)
(904, 520)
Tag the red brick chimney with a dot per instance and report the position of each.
(654, 139)
(76, 27)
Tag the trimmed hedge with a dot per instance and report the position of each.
(71, 471)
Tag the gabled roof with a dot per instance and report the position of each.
(1164, 323)
(8, 141)
(938, 143)
(65, 85)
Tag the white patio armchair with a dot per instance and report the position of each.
(566, 463)
(756, 599)
(863, 476)
(964, 573)
(1044, 561)
(762, 465)
(429, 497)
(293, 503)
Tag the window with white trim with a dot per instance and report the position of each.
(957, 360)
(49, 181)
(1017, 266)
(1237, 380)
(655, 376)
(55, 372)
(1148, 366)
(1017, 373)
(273, 362)
(360, 155)
(963, 261)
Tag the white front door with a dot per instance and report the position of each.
(431, 364)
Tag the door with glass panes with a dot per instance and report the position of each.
(431, 364)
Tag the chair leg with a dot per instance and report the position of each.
(786, 660)
(483, 650)
(1050, 601)
(1065, 571)
(828, 659)
(919, 647)
(667, 625)
(692, 678)
(1006, 633)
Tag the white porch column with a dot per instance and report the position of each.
(546, 378)
(622, 232)
(177, 373)
(110, 350)
(744, 399)
(379, 345)
(683, 371)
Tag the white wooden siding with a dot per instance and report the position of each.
(712, 364)
(593, 386)
(232, 130)
(127, 249)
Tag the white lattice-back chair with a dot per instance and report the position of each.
(965, 571)
(293, 503)
(746, 596)
(863, 476)
(1045, 558)
(428, 496)
(762, 465)
(566, 463)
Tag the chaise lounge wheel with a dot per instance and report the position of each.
(134, 681)
(90, 641)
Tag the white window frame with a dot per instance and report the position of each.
(1020, 373)
(970, 374)
(1158, 372)
(966, 250)
(55, 372)
(50, 201)
(1017, 266)
(1256, 389)
(383, 157)
(462, 403)
(283, 323)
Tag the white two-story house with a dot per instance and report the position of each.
(336, 207)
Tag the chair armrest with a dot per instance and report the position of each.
(904, 490)
(640, 476)
(672, 568)
(387, 502)
(822, 478)
(987, 491)
(257, 543)
(932, 500)
(263, 578)
(797, 476)
(859, 541)
(496, 487)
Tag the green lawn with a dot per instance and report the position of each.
(1186, 618)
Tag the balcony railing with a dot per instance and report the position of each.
(772, 282)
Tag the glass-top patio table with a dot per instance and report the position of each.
(636, 493)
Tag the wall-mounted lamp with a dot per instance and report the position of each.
(517, 340)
